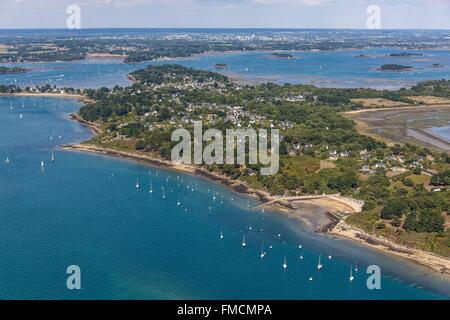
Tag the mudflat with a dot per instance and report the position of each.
(404, 124)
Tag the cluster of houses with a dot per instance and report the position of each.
(50, 89)
(396, 164)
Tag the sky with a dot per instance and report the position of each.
(394, 14)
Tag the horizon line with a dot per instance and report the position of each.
(224, 28)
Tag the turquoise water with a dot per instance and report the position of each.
(85, 210)
(322, 69)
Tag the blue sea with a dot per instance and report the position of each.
(85, 210)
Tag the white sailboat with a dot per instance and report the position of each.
(137, 184)
(151, 187)
(356, 266)
(221, 234)
(319, 264)
(7, 160)
(178, 203)
(53, 156)
(42, 164)
(301, 255)
(244, 244)
(263, 254)
(351, 274)
(163, 193)
(285, 263)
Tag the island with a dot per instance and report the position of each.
(405, 54)
(13, 70)
(395, 67)
(282, 55)
(220, 66)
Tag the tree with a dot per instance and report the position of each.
(345, 181)
(164, 114)
(105, 112)
(396, 222)
(417, 170)
(425, 221)
(369, 204)
(441, 178)
(394, 208)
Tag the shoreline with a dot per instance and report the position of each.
(335, 227)
(79, 97)
(237, 186)
(437, 263)
(324, 220)
(428, 137)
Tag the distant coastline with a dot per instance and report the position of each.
(13, 70)
(78, 97)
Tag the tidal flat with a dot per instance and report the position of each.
(405, 125)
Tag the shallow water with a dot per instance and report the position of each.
(442, 132)
(84, 209)
(341, 68)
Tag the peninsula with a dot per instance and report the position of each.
(13, 70)
(395, 192)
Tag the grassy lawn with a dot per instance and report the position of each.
(378, 102)
(365, 220)
(429, 99)
(420, 179)
(300, 166)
